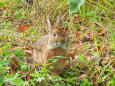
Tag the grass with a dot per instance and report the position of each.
(90, 47)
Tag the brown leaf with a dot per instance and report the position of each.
(103, 32)
(66, 29)
(28, 47)
(77, 34)
(77, 19)
(99, 48)
(90, 35)
(27, 76)
(13, 62)
(4, 8)
(23, 27)
(94, 79)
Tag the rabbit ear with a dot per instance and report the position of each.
(59, 22)
(49, 23)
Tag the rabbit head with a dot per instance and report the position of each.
(57, 34)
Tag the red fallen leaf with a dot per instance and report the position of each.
(77, 42)
(77, 17)
(99, 31)
(99, 48)
(103, 32)
(28, 52)
(90, 35)
(27, 76)
(66, 29)
(77, 34)
(94, 79)
(13, 62)
(4, 8)
(28, 47)
(23, 27)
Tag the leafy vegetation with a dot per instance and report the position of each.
(92, 49)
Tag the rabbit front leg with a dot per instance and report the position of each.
(36, 56)
(45, 55)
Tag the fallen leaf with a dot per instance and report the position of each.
(13, 62)
(4, 8)
(23, 27)
(77, 19)
(77, 34)
(66, 29)
(99, 48)
(28, 47)
(103, 32)
(27, 77)
(94, 79)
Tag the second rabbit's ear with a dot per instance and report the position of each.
(59, 22)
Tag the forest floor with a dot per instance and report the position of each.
(91, 30)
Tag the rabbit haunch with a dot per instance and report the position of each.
(52, 45)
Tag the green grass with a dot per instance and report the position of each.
(96, 16)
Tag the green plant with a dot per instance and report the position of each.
(74, 5)
(112, 81)
(14, 79)
(85, 82)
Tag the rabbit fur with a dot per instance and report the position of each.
(52, 45)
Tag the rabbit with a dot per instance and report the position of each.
(52, 45)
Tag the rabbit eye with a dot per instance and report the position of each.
(54, 34)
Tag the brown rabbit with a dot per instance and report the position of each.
(52, 45)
